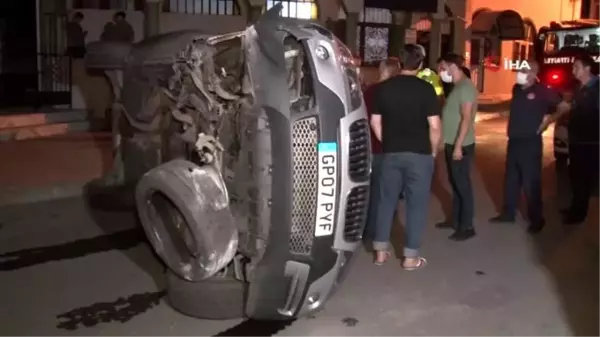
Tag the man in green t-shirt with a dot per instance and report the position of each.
(458, 119)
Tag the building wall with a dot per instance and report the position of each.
(500, 82)
(91, 91)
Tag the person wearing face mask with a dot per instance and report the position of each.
(458, 117)
(531, 102)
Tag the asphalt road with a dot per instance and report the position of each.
(66, 269)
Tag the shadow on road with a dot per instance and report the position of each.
(106, 205)
(569, 254)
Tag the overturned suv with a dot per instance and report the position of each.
(250, 156)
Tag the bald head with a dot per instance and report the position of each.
(528, 75)
(534, 67)
(388, 68)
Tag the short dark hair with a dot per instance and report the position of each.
(412, 57)
(585, 59)
(121, 14)
(78, 15)
(454, 58)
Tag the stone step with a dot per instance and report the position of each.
(47, 130)
(19, 120)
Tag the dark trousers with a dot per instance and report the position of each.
(459, 174)
(411, 173)
(524, 170)
(583, 175)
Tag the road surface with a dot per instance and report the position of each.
(66, 269)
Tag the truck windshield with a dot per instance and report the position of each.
(562, 40)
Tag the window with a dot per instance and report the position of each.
(523, 49)
(137, 5)
(297, 9)
(373, 35)
(209, 7)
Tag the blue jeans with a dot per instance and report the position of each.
(411, 173)
(374, 195)
(459, 174)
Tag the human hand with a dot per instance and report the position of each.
(457, 154)
(543, 126)
(563, 106)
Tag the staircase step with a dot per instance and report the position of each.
(39, 131)
(41, 118)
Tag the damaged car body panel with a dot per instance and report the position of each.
(277, 111)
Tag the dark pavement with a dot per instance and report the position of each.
(68, 269)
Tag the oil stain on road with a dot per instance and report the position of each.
(33, 256)
(125, 308)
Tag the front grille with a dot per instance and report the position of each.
(358, 151)
(304, 184)
(356, 213)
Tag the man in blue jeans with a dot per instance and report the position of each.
(458, 115)
(406, 120)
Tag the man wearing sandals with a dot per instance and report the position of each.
(406, 120)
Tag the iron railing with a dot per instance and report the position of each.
(35, 80)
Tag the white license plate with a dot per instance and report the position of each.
(326, 198)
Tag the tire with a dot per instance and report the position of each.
(184, 210)
(215, 298)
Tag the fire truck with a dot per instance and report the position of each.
(557, 46)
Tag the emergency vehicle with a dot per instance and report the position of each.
(556, 48)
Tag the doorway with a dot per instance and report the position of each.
(18, 53)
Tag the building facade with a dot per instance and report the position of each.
(499, 16)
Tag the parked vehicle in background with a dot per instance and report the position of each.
(251, 156)
(556, 48)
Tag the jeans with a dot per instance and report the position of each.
(411, 173)
(583, 174)
(524, 169)
(377, 159)
(459, 174)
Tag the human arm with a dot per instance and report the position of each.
(432, 110)
(373, 101)
(557, 107)
(376, 126)
(468, 98)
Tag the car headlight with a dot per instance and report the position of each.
(351, 70)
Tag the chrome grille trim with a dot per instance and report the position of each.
(359, 151)
(356, 213)
(305, 137)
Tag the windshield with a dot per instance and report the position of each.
(562, 40)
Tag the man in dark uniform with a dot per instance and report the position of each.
(530, 104)
(583, 139)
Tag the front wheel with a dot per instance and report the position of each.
(184, 209)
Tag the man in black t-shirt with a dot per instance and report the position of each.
(406, 120)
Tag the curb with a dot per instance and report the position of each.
(486, 116)
(20, 195)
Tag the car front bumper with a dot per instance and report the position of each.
(303, 263)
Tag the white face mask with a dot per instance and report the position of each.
(445, 76)
(521, 78)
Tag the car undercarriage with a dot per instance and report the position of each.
(249, 155)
